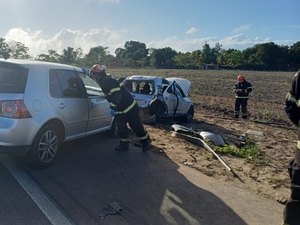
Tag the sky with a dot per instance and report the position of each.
(183, 25)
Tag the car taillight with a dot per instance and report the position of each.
(14, 109)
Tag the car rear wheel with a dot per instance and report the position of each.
(190, 114)
(45, 146)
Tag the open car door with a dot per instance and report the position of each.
(175, 100)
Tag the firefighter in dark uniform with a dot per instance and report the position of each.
(292, 108)
(242, 88)
(126, 109)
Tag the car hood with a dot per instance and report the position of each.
(183, 83)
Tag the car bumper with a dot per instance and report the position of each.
(16, 132)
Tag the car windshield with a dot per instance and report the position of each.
(145, 87)
(91, 86)
(12, 78)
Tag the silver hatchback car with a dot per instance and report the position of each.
(45, 104)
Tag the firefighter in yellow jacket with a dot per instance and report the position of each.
(292, 108)
(126, 109)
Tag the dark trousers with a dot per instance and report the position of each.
(292, 208)
(240, 103)
(132, 118)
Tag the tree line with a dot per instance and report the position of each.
(266, 56)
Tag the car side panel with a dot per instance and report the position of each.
(72, 110)
(100, 118)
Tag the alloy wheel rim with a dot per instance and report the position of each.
(47, 146)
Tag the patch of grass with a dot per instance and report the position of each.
(248, 151)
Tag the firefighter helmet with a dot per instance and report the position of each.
(240, 78)
(97, 68)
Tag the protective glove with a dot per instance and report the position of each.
(112, 112)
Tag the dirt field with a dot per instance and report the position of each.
(212, 93)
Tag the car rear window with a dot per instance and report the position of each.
(12, 78)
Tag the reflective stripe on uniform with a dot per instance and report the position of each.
(292, 99)
(112, 104)
(125, 139)
(128, 108)
(113, 90)
(298, 145)
(241, 96)
(145, 137)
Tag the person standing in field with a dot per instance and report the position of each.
(126, 109)
(292, 108)
(242, 88)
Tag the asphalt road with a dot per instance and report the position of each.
(90, 183)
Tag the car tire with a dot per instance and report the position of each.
(190, 114)
(45, 146)
(158, 108)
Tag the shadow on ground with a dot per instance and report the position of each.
(89, 179)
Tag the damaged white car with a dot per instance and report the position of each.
(159, 97)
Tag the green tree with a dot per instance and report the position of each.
(19, 50)
(187, 61)
(120, 54)
(231, 58)
(198, 58)
(53, 56)
(163, 58)
(97, 54)
(210, 55)
(271, 56)
(69, 56)
(135, 54)
(4, 49)
(267, 56)
(294, 55)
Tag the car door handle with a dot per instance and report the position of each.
(61, 106)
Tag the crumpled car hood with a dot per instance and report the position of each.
(183, 83)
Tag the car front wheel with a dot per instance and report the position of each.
(190, 114)
(45, 146)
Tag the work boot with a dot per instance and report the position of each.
(146, 144)
(244, 117)
(123, 146)
(236, 116)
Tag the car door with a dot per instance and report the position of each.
(99, 117)
(70, 101)
(184, 101)
(175, 100)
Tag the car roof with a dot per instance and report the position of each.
(142, 77)
(27, 63)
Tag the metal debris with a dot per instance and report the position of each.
(194, 137)
(113, 208)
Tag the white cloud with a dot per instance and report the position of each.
(241, 29)
(192, 30)
(240, 41)
(38, 43)
(182, 45)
